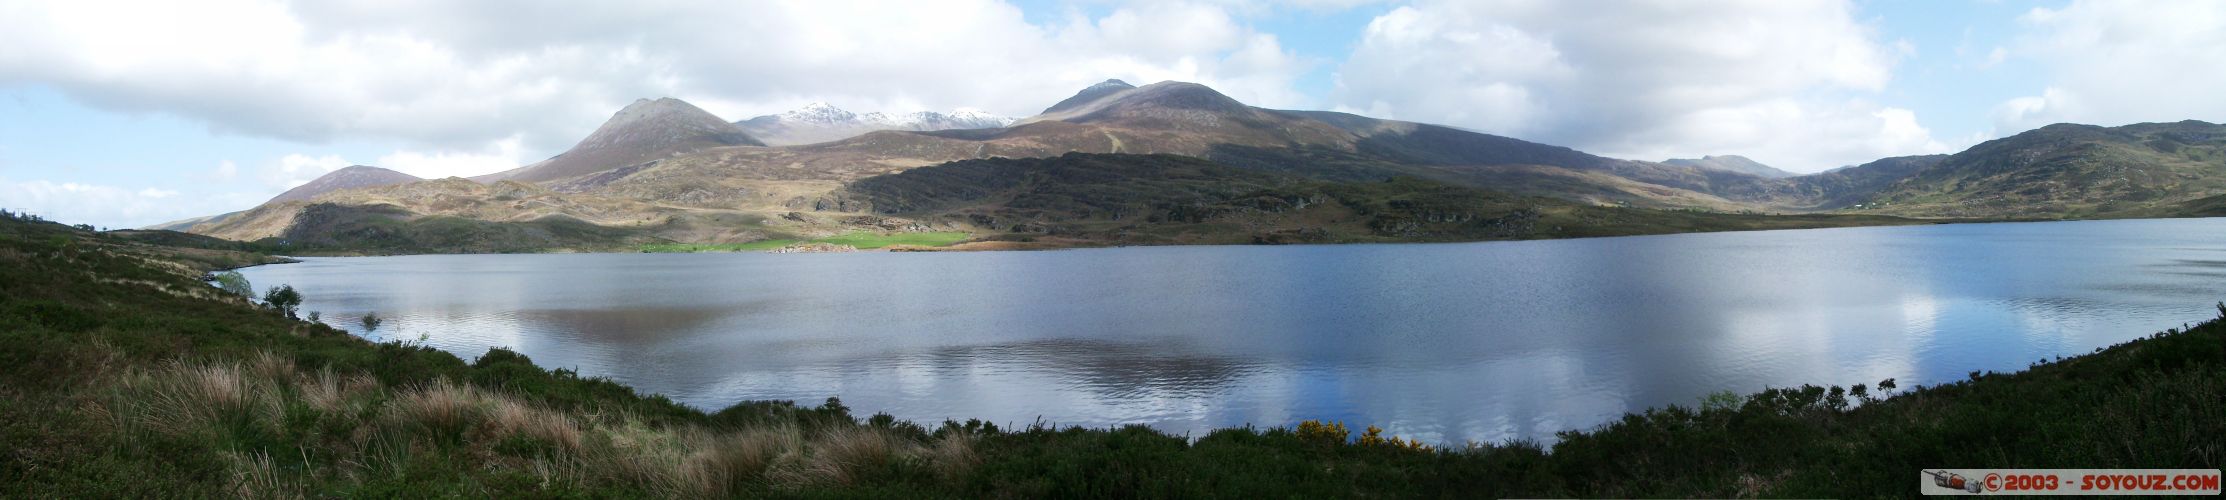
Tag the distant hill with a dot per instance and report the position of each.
(358, 176)
(1177, 162)
(1166, 117)
(821, 122)
(643, 131)
(182, 225)
(1168, 199)
(2068, 170)
(353, 177)
(1857, 185)
(1732, 163)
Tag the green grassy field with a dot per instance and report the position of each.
(754, 246)
(868, 241)
(122, 375)
(861, 240)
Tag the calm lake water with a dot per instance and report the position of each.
(1445, 342)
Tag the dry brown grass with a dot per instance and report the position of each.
(440, 406)
(255, 476)
(376, 432)
(183, 400)
(510, 417)
(724, 464)
(953, 455)
(841, 455)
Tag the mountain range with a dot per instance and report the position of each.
(820, 122)
(1176, 162)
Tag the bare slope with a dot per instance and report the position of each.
(359, 176)
(644, 131)
(1731, 163)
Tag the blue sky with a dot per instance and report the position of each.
(213, 107)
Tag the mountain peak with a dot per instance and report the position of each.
(1184, 95)
(819, 112)
(351, 177)
(1090, 94)
(1110, 83)
(820, 122)
(662, 106)
(642, 131)
(1165, 100)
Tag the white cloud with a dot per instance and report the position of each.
(445, 75)
(110, 206)
(2120, 62)
(297, 169)
(1258, 7)
(498, 156)
(1780, 81)
(226, 170)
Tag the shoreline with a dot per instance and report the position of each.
(1076, 244)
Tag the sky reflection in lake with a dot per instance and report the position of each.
(1446, 342)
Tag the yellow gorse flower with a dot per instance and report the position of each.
(1335, 432)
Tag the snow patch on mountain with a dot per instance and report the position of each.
(821, 122)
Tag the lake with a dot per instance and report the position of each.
(1443, 342)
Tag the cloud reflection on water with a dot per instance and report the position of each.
(1446, 342)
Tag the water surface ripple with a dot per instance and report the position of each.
(1445, 342)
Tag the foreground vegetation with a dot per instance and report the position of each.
(125, 376)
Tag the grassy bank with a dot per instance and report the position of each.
(125, 376)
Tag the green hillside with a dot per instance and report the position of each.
(1165, 199)
(2069, 171)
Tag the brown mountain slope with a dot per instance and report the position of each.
(1731, 163)
(354, 177)
(665, 171)
(643, 131)
(1168, 199)
(1166, 118)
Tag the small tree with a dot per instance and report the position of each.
(1722, 400)
(232, 282)
(284, 298)
(371, 321)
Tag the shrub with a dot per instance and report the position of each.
(283, 298)
(1315, 430)
(1722, 400)
(233, 283)
(1374, 437)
